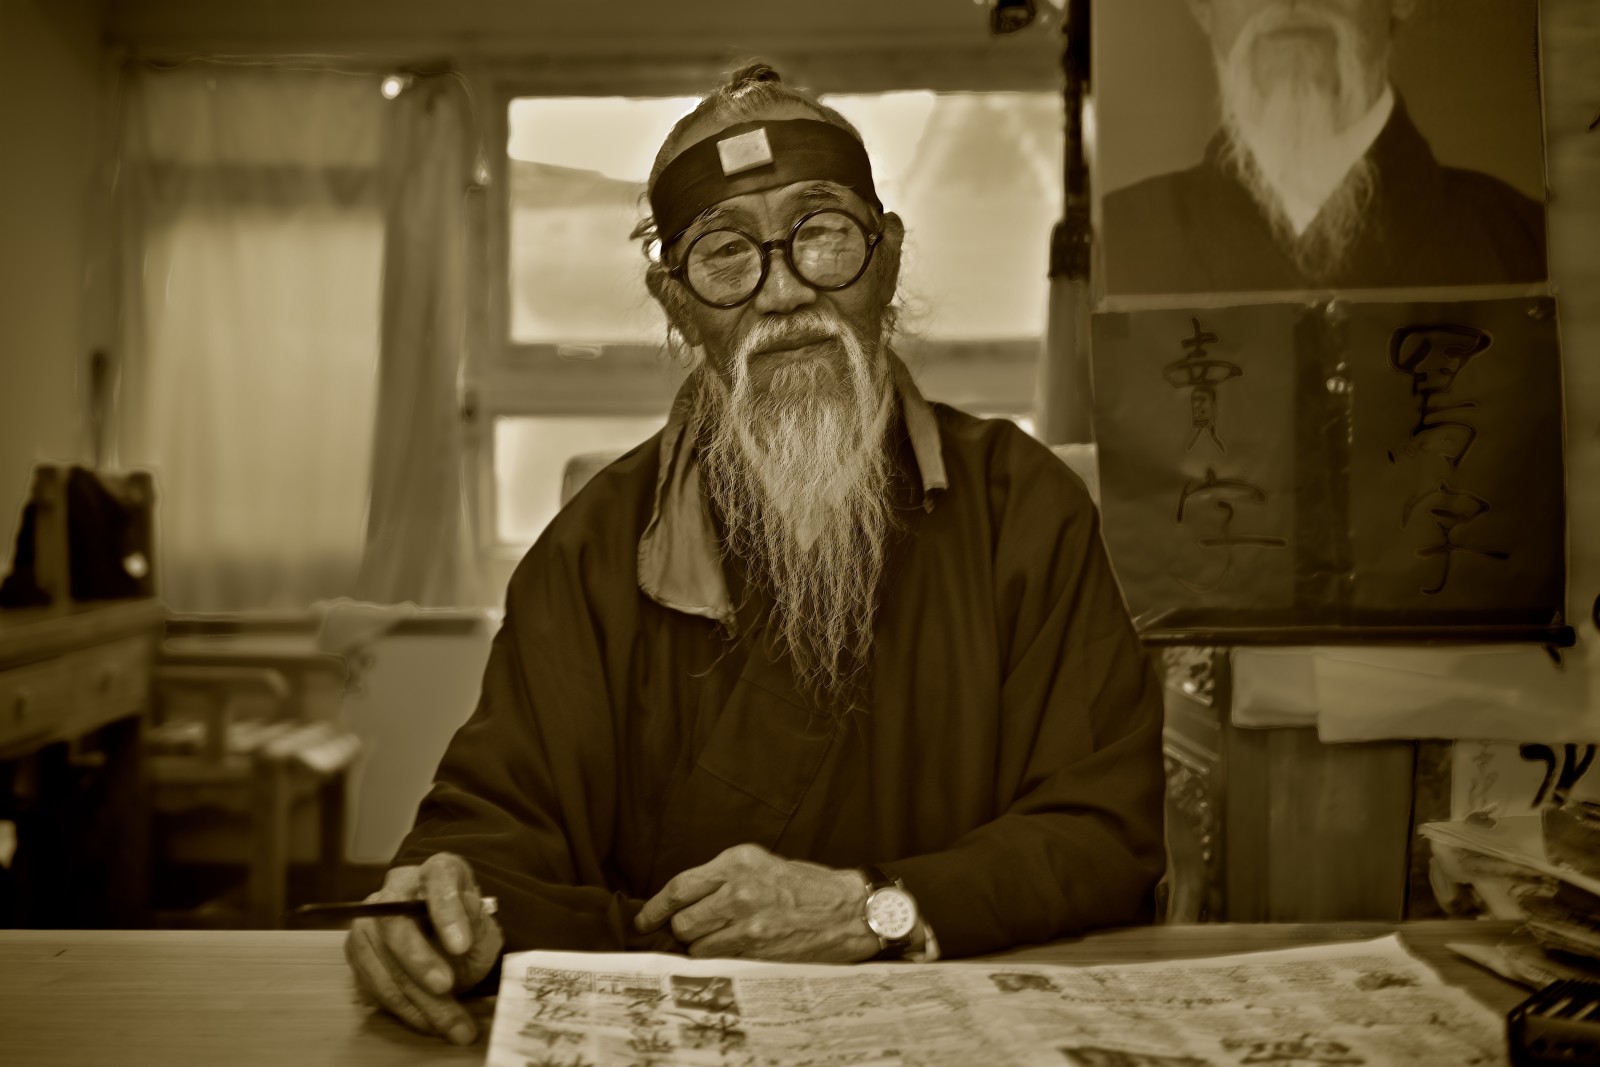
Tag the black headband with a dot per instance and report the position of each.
(753, 156)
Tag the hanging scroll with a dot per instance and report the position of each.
(1371, 465)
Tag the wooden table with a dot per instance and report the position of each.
(239, 998)
(74, 703)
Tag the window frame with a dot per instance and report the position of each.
(504, 377)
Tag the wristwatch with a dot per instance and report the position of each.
(890, 912)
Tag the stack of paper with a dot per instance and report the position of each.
(1369, 693)
(1506, 862)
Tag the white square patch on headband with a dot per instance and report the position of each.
(745, 152)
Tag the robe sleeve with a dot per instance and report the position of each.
(1080, 844)
(526, 790)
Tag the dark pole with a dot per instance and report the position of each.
(1064, 385)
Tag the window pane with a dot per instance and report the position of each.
(977, 179)
(578, 167)
(533, 453)
(975, 176)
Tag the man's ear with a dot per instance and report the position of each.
(886, 261)
(660, 286)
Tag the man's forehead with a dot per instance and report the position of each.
(788, 200)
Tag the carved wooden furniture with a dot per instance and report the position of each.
(1192, 752)
(74, 697)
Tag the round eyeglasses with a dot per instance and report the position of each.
(826, 249)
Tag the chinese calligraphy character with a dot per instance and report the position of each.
(721, 1032)
(1449, 508)
(1223, 494)
(1201, 373)
(1304, 1049)
(1572, 769)
(1433, 356)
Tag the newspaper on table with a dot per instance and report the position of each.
(1361, 1003)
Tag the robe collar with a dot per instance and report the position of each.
(680, 561)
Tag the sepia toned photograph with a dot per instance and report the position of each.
(850, 532)
(1251, 145)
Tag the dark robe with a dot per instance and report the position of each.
(1200, 230)
(1008, 768)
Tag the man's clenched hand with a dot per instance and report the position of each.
(413, 974)
(748, 902)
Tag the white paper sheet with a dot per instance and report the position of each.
(1359, 693)
(1274, 687)
(1505, 693)
(1361, 1003)
(1518, 839)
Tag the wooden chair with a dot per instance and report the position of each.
(229, 745)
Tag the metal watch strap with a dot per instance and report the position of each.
(877, 879)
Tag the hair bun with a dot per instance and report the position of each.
(753, 72)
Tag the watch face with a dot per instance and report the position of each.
(891, 913)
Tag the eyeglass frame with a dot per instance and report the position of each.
(680, 272)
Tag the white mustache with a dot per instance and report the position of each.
(800, 327)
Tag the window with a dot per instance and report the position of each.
(541, 460)
(975, 176)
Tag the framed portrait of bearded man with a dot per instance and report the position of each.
(1263, 145)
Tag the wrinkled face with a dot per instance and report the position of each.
(782, 310)
(1297, 38)
(785, 311)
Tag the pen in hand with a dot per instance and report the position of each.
(345, 911)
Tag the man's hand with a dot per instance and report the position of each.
(748, 902)
(413, 974)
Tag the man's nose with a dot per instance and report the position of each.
(783, 291)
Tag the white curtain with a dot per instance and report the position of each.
(418, 536)
(271, 220)
(252, 238)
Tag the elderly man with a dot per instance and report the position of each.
(1317, 178)
(820, 672)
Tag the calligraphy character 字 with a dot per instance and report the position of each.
(1449, 508)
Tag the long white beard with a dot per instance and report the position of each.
(800, 471)
(1282, 112)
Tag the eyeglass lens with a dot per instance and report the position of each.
(828, 251)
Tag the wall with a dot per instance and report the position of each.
(554, 27)
(1571, 34)
(51, 64)
(419, 685)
